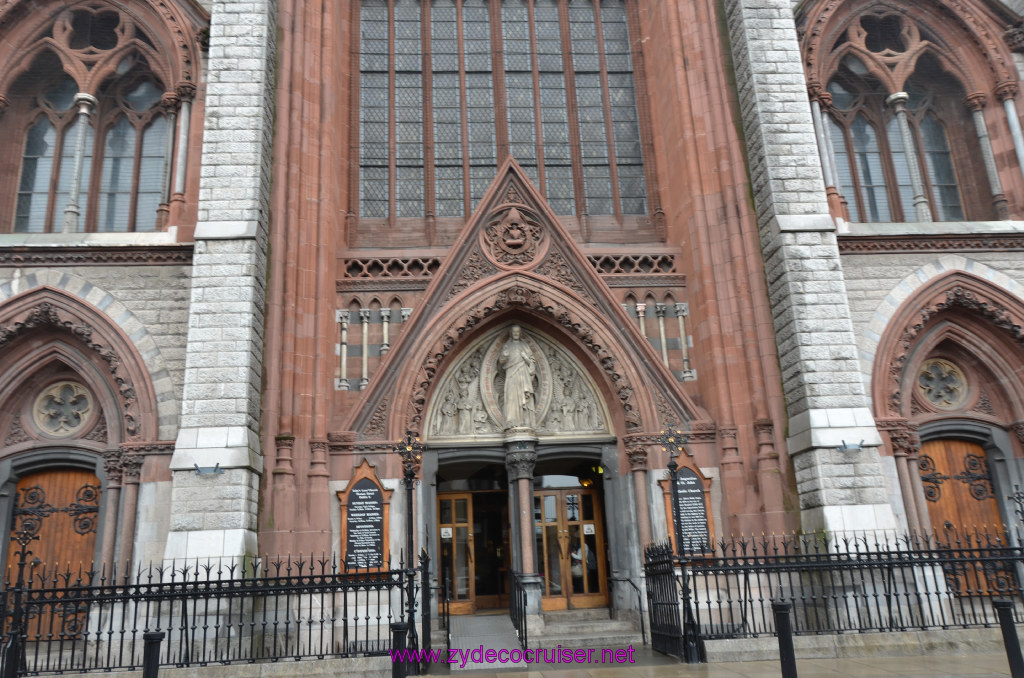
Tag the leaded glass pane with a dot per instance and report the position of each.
(34, 185)
(869, 167)
(151, 172)
(373, 109)
(116, 183)
(143, 97)
(62, 95)
(373, 192)
(945, 193)
(844, 172)
(904, 186)
(67, 162)
(409, 198)
(559, 188)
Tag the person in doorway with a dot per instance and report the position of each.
(576, 556)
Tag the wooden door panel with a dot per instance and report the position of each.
(61, 508)
(962, 505)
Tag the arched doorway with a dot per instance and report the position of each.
(479, 546)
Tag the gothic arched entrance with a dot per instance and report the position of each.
(522, 437)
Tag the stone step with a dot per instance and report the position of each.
(604, 627)
(576, 615)
(575, 641)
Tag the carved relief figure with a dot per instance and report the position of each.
(520, 365)
(512, 378)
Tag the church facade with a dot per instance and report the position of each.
(245, 247)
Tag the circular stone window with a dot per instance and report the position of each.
(62, 409)
(942, 384)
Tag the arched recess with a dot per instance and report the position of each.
(74, 394)
(916, 87)
(948, 374)
(171, 40)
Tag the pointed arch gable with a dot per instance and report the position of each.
(172, 27)
(993, 315)
(514, 259)
(978, 23)
(45, 309)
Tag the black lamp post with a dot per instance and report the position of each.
(674, 442)
(411, 451)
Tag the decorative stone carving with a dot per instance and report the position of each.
(62, 409)
(17, 433)
(503, 382)
(520, 463)
(47, 314)
(942, 384)
(637, 455)
(99, 432)
(475, 268)
(513, 239)
(555, 267)
(112, 465)
(519, 367)
(984, 405)
(956, 296)
(378, 423)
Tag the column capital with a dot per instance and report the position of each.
(86, 102)
(897, 100)
(170, 102)
(1006, 90)
(520, 459)
(186, 91)
(975, 101)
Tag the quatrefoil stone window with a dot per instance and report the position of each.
(62, 409)
(942, 384)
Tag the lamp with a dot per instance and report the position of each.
(411, 451)
(850, 447)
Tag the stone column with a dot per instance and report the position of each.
(115, 472)
(976, 105)
(520, 458)
(72, 212)
(825, 396)
(898, 101)
(637, 453)
(1007, 92)
(213, 514)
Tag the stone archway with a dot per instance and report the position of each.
(946, 371)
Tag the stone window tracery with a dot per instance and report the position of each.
(90, 105)
(899, 113)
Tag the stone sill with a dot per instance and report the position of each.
(170, 237)
(960, 228)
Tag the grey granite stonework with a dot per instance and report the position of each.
(215, 514)
(824, 392)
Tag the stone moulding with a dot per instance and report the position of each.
(96, 256)
(901, 244)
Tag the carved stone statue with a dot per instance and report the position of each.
(520, 365)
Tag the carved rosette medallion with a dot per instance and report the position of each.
(470, 400)
(942, 384)
(62, 409)
(513, 238)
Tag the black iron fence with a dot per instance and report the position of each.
(517, 606)
(211, 613)
(851, 584)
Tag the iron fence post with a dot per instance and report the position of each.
(1004, 608)
(398, 657)
(784, 628)
(151, 653)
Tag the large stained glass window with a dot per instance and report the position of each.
(449, 88)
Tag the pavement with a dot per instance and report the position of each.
(650, 664)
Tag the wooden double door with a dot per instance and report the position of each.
(474, 534)
(569, 534)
